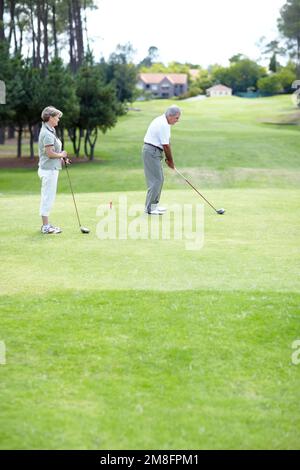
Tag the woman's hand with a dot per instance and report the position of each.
(66, 160)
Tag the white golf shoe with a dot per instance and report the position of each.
(155, 212)
(49, 229)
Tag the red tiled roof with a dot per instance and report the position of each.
(175, 78)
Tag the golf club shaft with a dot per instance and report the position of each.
(195, 189)
(73, 194)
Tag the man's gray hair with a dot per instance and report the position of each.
(173, 110)
(50, 111)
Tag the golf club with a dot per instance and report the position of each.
(83, 229)
(218, 211)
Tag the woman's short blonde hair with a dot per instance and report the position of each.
(50, 111)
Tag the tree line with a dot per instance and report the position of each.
(243, 74)
(45, 59)
(33, 37)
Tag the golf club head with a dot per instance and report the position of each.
(84, 230)
(221, 211)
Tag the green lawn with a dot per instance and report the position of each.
(143, 344)
(223, 142)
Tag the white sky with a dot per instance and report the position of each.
(199, 31)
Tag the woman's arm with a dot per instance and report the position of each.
(49, 149)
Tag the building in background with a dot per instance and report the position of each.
(219, 90)
(163, 85)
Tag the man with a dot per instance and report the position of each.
(157, 142)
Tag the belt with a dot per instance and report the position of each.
(155, 146)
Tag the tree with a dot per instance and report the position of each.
(123, 54)
(240, 76)
(276, 50)
(37, 82)
(26, 93)
(287, 76)
(270, 85)
(75, 34)
(122, 72)
(237, 58)
(60, 92)
(204, 80)
(273, 64)
(157, 67)
(172, 67)
(150, 58)
(2, 36)
(5, 76)
(99, 107)
(221, 74)
(177, 67)
(273, 48)
(23, 89)
(45, 24)
(289, 26)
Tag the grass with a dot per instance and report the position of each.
(141, 369)
(256, 223)
(143, 344)
(225, 142)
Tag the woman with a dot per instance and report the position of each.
(50, 163)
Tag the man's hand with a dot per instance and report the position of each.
(170, 163)
(169, 156)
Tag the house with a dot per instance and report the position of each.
(219, 90)
(163, 85)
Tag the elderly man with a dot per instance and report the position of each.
(157, 142)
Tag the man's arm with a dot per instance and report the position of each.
(169, 158)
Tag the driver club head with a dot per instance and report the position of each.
(84, 230)
(221, 211)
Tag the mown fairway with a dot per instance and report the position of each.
(143, 344)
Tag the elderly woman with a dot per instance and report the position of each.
(50, 163)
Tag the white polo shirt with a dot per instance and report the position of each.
(159, 132)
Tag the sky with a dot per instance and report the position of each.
(202, 32)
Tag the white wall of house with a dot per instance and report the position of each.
(219, 90)
(220, 93)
